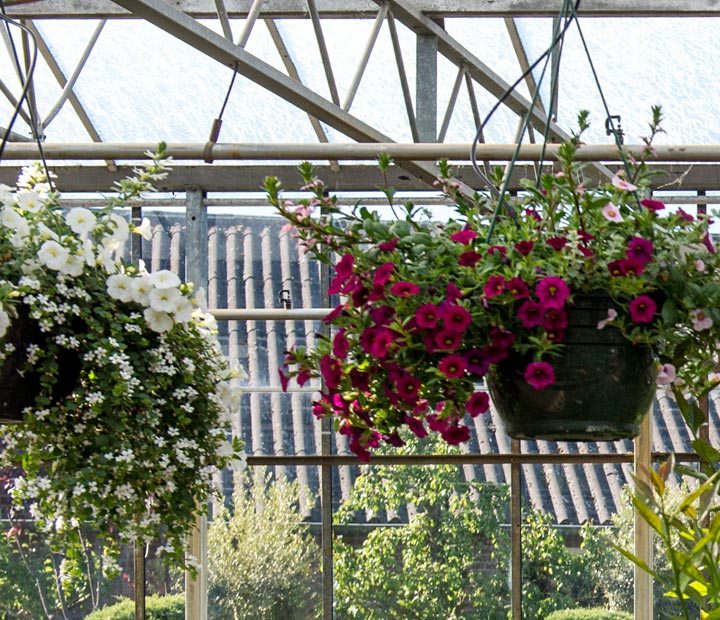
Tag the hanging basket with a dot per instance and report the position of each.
(19, 389)
(604, 384)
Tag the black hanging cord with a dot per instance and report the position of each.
(26, 78)
(217, 123)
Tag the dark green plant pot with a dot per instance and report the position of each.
(604, 385)
(19, 389)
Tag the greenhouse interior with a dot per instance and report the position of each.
(422, 324)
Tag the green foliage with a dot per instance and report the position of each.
(451, 560)
(595, 613)
(432, 567)
(170, 607)
(43, 576)
(261, 557)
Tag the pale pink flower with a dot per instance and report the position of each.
(612, 213)
(622, 184)
(700, 265)
(666, 374)
(611, 316)
(701, 321)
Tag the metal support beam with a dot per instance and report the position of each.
(216, 46)
(436, 9)
(426, 88)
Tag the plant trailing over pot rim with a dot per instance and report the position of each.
(127, 441)
(426, 308)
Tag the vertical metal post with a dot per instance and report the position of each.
(426, 87)
(139, 579)
(326, 483)
(643, 534)
(516, 580)
(196, 271)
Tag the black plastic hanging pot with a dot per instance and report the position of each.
(19, 387)
(604, 384)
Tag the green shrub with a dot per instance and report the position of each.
(260, 564)
(170, 607)
(596, 613)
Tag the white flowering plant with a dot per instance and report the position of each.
(130, 411)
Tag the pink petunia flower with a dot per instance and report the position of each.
(684, 215)
(518, 288)
(540, 375)
(666, 375)
(611, 213)
(530, 314)
(701, 321)
(383, 273)
(408, 387)
(642, 309)
(446, 340)
(622, 184)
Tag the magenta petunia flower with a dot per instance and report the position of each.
(452, 293)
(708, 243)
(427, 316)
(331, 371)
(383, 273)
(453, 366)
(455, 434)
(615, 268)
(302, 377)
(404, 289)
(640, 249)
(456, 318)
(530, 314)
(341, 346)
(552, 292)
(557, 243)
(501, 337)
(555, 319)
(408, 387)
(359, 380)
(632, 266)
(517, 288)
(382, 315)
(388, 246)
(469, 258)
(464, 236)
(540, 375)
(652, 205)
(478, 403)
(477, 361)
(344, 266)
(416, 426)
(524, 247)
(684, 215)
(283, 380)
(642, 309)
(376, 341)
(436, 423)
(446, 340)
(495, 286)
(499, 250)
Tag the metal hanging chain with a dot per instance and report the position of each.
(566, 18)
(26, 78)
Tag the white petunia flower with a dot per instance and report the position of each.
(119, 286)
(122, 228)
(30, 200)
(7, 194)
(141, 287)
(165, 299)
(160, 322)
(53, 255)
(164, 279)
(81, 220)
(144, 230)
(10, 218)
(4, 321)
(183, 310)
(74, 266)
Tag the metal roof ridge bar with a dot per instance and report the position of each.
(429, 151)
